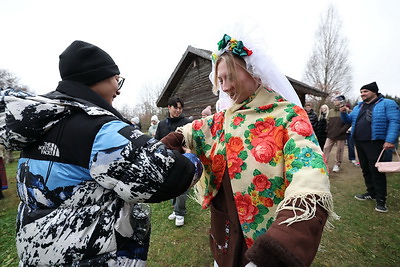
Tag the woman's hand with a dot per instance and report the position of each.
(387, 145)
(186, 150)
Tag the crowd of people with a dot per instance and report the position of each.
(259, 163)
(367, 129)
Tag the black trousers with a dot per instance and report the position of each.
(375, 181)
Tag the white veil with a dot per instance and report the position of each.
(260, 65)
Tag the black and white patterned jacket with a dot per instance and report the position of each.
(83, 169)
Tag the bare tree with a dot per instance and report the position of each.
(127, 111)
(9, 79)
(328, 68)
(146, 107)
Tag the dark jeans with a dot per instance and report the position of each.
(350, 147)
(368, 152)
(180, 204)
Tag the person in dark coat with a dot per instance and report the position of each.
(321, 125)
(174, 120)
(312, 116)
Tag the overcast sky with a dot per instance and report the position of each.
(148, 38)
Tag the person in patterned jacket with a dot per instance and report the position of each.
(265, 179)
(85, 171)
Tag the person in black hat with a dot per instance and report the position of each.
(336, 133)
(85, 171)
(375, 126)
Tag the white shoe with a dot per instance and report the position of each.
(355, 162)
(179, 220)
(336, 168)
(172, 216)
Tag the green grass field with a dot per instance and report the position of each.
(363, 237)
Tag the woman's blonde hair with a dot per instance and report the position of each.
(320, 112)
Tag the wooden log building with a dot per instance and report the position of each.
(190, 82)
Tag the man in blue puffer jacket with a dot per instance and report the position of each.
(375, 126)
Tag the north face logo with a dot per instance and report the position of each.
(49, 149)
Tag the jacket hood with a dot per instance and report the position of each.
(27, 117)
(79, 92)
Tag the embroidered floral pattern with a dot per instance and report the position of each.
(249, 241)
(224, 248)
(246, 209)
(261, 182)
(238, 121)
(302, 126)
(197, 124)
(218, 168)
(266, 109)
(306, 157)
(262, 153)
(235, 156)
(218, 120)
(265, 139)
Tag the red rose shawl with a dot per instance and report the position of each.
(272, 156)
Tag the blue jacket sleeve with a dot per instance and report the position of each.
(393, 117)
(346, 118)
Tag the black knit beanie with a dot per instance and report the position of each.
(86, 63)
(373, 87)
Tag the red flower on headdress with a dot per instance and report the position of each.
(248, 51)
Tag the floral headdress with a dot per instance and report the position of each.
(228, 43)
(258, 64)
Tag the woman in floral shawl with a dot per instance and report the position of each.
(265, 178)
